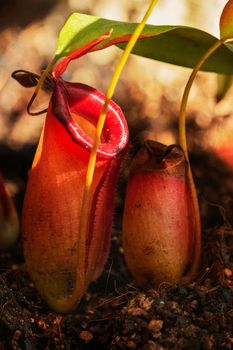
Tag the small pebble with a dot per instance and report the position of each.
(154, 327)
(227, 273)
(86, 336)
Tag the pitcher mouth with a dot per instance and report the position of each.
(157, 157)
(87, 102)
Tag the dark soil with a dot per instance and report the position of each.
(115, 314)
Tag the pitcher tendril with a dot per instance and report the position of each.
(182, 115)
(39, 86)
(183, 143)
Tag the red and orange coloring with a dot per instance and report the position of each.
(60, 262)
(158, 223)
(226, 24)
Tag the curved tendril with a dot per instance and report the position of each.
(39, 86)
(183, 143)
(182, 115)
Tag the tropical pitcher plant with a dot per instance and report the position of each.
(69, 201)
(61, 262)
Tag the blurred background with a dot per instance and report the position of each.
(149, 92)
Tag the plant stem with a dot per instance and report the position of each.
(183, 143)
(182, 115)
(111, 89)
(92, 161)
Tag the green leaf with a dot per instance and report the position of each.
(180, 45)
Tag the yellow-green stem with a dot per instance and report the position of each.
(92, 161)
(39, 86)
(183, 143)
(182, 116)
